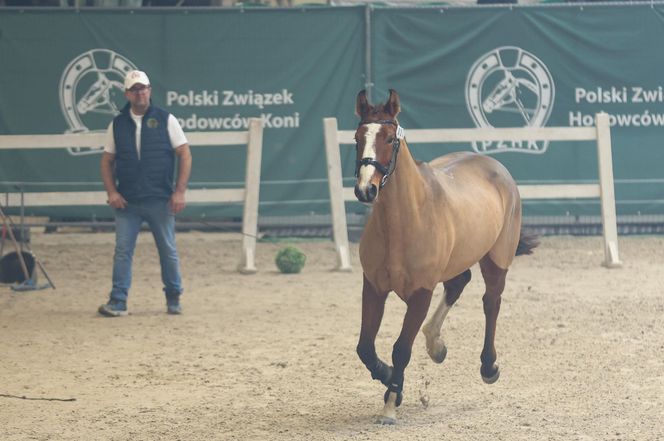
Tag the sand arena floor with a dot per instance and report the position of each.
(272, 356)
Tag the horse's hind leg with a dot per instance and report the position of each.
(418, 305)
(494, 278)
(435, 343)
(373, 306)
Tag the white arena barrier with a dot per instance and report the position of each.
(249, 194)
(603, 190)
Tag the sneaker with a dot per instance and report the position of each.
(174, 308)
(113, 308)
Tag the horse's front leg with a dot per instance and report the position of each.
(418, 305)
(432, 329)
(373, 306)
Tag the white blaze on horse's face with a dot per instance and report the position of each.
(366, 172)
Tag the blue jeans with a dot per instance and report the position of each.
(161, 221)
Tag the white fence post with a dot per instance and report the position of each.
(252, 191)
(601, 134)
(335, 184)
(607, 195)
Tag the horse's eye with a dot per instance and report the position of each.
(390, 140)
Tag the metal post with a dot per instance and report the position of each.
(23, 239)
(368, 81)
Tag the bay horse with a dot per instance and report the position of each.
(430, 222)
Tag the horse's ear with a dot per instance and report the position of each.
(362, 104)
(392, 106)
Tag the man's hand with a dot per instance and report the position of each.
(184, 170)
(116, 201)
(177, 202)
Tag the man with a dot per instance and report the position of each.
(142, 144)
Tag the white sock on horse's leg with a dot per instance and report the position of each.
(389, 413)
(431, 330)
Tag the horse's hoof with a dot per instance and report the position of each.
(386, 421)
(439, 355)
(389, 413)
(491, 377)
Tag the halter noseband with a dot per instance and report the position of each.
(385, 170)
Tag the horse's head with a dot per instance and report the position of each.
(377, 139)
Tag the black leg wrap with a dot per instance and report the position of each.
(394, 388)
(382, 372)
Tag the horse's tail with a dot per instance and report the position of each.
(527, 242)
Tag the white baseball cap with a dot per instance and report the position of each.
(136, 77)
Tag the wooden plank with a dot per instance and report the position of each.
(97, 139)
(609, 220)
(335, 185)
(81, 198)
(91, 139)
(502, 134)
(217, 138)
(562, 191)
(489, 134)
(252, 187)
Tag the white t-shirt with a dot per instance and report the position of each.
(175, 133)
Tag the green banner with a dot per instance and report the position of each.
(213, 69)
(535, 66)
(62, 72)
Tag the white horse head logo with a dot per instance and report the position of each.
(91, 92)
(509, 87)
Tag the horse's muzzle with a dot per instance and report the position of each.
(367, 195)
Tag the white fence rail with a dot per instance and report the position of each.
(249, 194)
(603, 190)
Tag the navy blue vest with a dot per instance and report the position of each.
(151, 176)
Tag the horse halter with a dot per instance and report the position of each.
(396, 143)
